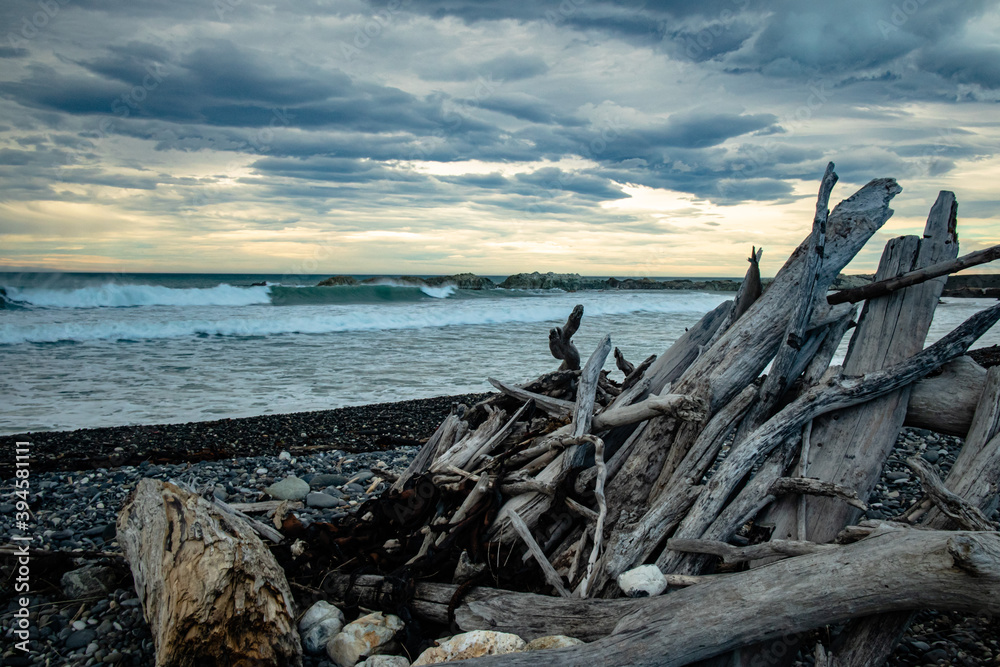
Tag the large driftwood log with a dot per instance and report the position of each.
(889, 571)
(945, 403)
(743, 351)
(784, 369)
(851, 446)
(210, 590)
(836, 394)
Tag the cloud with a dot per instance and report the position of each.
(461, 115)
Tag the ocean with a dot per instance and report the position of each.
(86, 350)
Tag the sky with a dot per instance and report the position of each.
(659, 138)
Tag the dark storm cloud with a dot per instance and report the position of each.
(529, 108)
(507, 67)
(270, 88)
(964, 64)
(334, 169)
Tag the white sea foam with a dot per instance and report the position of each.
(174, 322)
(114, 295)
(442, 292)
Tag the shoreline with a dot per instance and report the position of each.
(355, 429)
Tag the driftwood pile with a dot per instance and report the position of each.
(520, 513)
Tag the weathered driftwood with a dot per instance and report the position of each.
(210, 590)
(870, 640)
(784, 369)
(888, 285)
(687, 408)
(638, 372)
(750, 290)
(561, 344)
(810, 486)
(265, 506)
(850, 447)
(946, 402)
(532, 505)
(666, 474)
(556, 407)
(836, 394)
(895, 570)
(731, 554)
(441, 440)
(623, 364)
(967, 516)
(742, 352)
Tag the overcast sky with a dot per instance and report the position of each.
(493, 136)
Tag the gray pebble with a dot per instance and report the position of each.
(80, 638)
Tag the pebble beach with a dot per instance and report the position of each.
(82, 478)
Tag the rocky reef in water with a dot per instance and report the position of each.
(977, 285)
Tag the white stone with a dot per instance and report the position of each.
(316, 638)
(320, 611)
(284, 456)
(290, 488)
(552, 641)
(384, 661)
(643, 581)
(369, 635)
(468, 645)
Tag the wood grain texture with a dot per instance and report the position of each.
(210, 590)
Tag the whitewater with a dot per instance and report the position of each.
(87, 350)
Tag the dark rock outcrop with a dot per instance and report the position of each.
(337, 281)
(463, 281)
(681, 284)
(843, 281)
(550, 280)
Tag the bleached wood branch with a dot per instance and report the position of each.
(890, 285)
